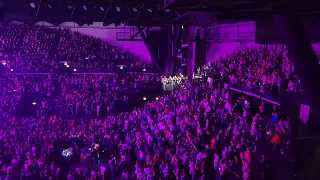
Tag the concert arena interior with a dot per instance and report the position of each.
(159, 90)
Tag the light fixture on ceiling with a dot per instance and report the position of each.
(101, 8)
(32, 5)
(134, 9)
(149, 10)
(85, 8)
(118, 9)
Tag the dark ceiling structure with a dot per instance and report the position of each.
(235, 10)
(148, 12)
(236, 6)
(130, 12)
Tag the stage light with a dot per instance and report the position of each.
(144, 98)
(157, 98)
(49, 6)
(74, 70)
(32, 5)
(182, 26)
(143, 69)
(11, 69)
(118, 9)
(102, 9)
(70, 7)
(135, 9)
(4, 63)
(34, 103)
(149, 10)
(67, 65)
(85, 7)
(121, 67)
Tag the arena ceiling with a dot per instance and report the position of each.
(130, 12)
(144, 12)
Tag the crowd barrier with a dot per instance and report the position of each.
(263, 97)
(29, 73)
(45, 73)
(256, 95)
(253, 92)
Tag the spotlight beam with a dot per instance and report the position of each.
(139, 12)
(74, 8)
(105, 15)
(39, 7)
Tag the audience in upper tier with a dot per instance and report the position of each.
(259, 68)
(40, 49)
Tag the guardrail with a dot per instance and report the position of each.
(255, 95)
(45, 73)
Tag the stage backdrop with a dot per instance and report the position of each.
(108, 34)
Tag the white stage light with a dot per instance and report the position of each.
(144, 98)
(102, 9)
(34, 103)
(74, 70)
(4, 63)
(32, 5)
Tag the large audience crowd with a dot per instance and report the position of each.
(77, 94)
(197, 132)
(30, 49)
(192, 134)
(266, 70)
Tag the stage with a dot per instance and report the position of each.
(171, 87)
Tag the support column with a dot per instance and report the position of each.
(201, 50)
(192, 59)
(176, 45)
(168, 70)
(154, 58)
